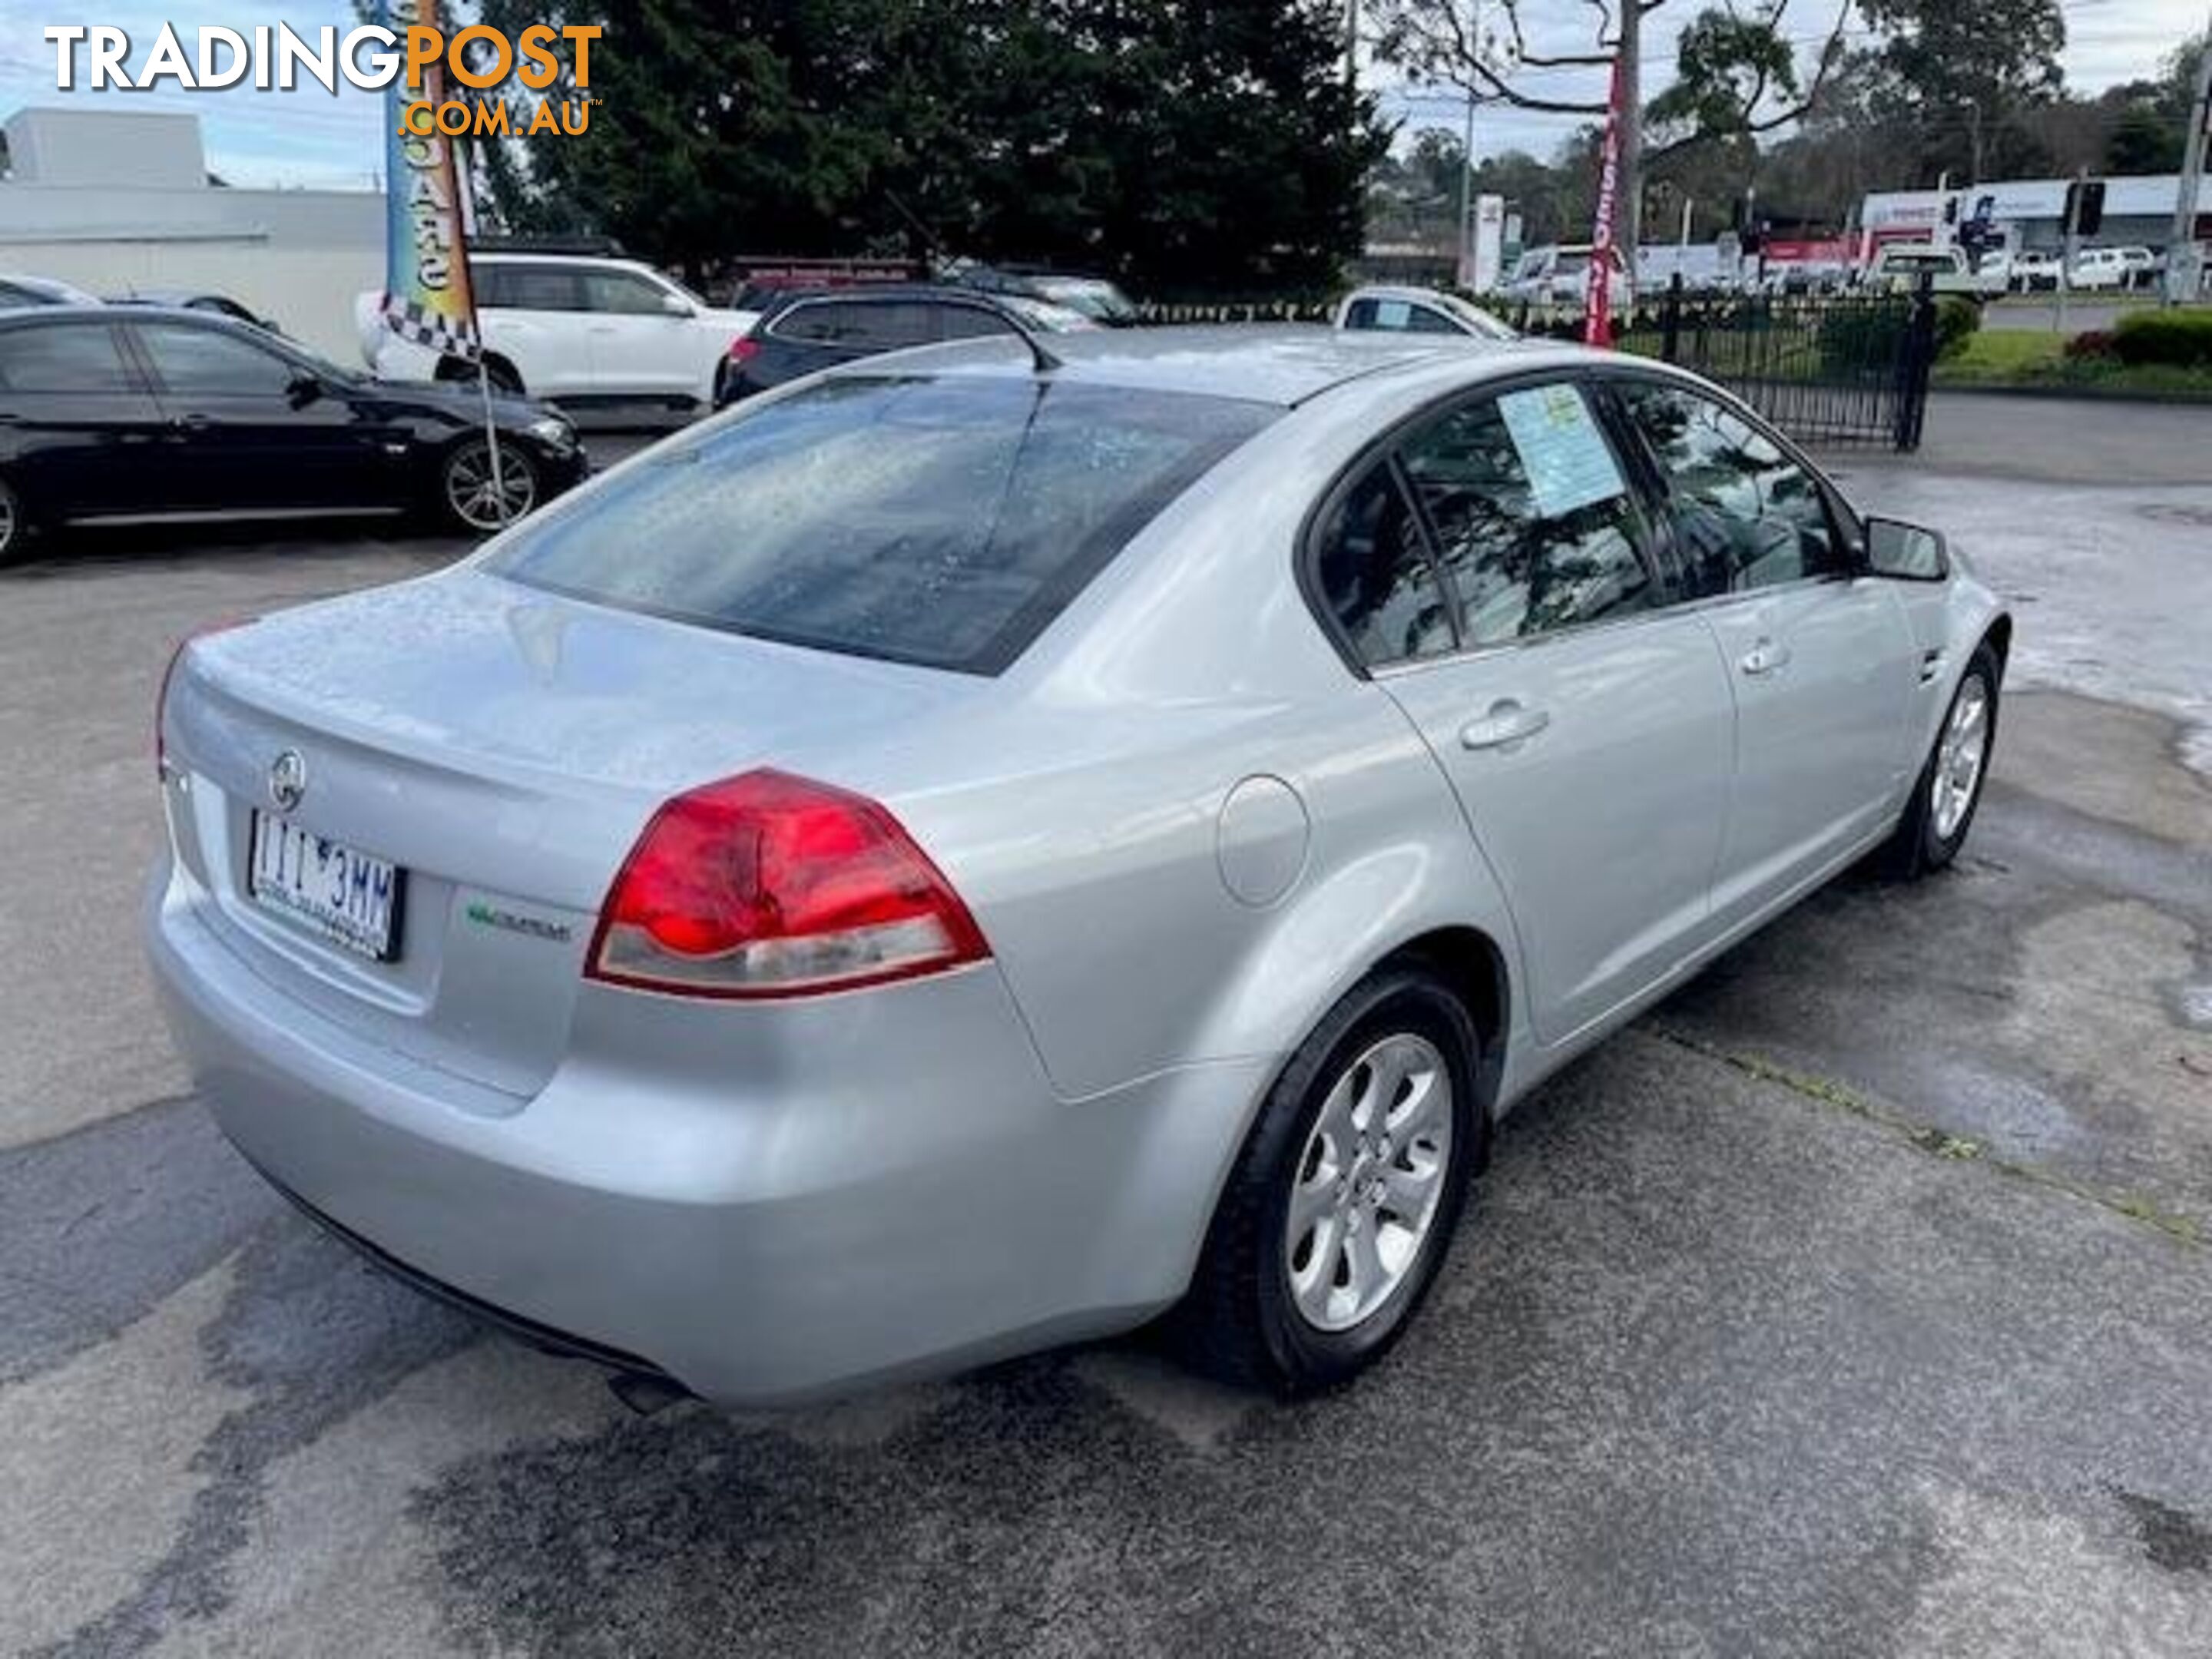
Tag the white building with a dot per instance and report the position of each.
(114, 203)
(2138, 210)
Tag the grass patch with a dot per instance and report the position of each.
(2037, 359)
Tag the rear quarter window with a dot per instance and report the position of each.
(944, 522)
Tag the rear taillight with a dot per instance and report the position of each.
(770, 885)
(169, 672)
(744, 348)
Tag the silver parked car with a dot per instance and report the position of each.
(971, 851)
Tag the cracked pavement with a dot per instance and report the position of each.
(1854, 1301)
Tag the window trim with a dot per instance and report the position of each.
(1588, 378)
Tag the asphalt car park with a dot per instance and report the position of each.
(1852, 1301)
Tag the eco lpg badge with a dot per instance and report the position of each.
(511, 921)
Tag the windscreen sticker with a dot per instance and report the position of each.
(1561, 449)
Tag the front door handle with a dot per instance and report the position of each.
(1506, 724)
(1763, 658)
(192, 422)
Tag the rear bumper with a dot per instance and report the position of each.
(887, 1188)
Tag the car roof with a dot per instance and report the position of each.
(860, 293)
(502, 255)
(1284, 365)
(1395, 291)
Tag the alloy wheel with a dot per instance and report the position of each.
(476, 501)
(1366, 1189)
(1961, 753)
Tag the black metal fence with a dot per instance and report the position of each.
(1827, 368)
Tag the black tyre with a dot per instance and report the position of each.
(470, 496)
(1949, 789)
(1342, 1204)
(500, 372)
(15, 526)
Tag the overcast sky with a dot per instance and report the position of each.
(310, 137)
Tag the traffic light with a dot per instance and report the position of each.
(2085, 205)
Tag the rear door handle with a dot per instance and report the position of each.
(1763, 658)
(192, 422)
(1506, 724)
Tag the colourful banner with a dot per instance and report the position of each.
(426, 272)
(1597, 310)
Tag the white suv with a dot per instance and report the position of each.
(577, 329)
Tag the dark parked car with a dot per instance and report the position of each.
(113, 413)
(818, 329)
(186, 299)
(1096, 297)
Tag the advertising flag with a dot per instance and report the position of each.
(426, 281)
(1597, 312)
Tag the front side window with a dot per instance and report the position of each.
(625, 293)
(1746, 516)
(1535, 520)
(78, 357)
(1376, 576)
(970, 322)
(206, 362)
(944, 522)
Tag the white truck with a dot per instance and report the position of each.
(1897, 265)
(576, 328)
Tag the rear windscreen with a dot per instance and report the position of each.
(935, 521)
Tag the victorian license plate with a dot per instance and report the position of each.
(349, 897)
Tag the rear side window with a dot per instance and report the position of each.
(861, 324)
(70, 358)
(942, 522)
(531, 287)
(1375, 577)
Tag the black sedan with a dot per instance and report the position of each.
(109, 414)
(820, 328)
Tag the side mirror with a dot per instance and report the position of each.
(670, 306)
(1905, 551)
(307, 386)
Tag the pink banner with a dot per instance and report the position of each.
(1597, 312)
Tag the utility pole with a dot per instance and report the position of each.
(1464, 266)
(2182, 277)
(1628, 211)
(2070, 249)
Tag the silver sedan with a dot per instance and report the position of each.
(980, 849)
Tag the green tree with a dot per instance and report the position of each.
(2143, 139)
(1962, 71)
(1204, 147)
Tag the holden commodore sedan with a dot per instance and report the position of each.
(978, 849)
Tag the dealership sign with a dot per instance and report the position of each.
(410, 52)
